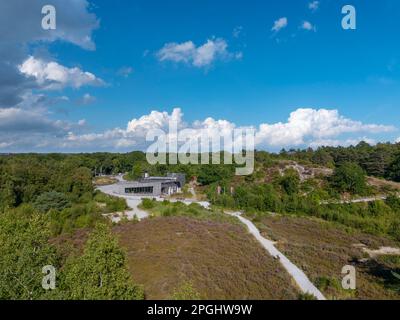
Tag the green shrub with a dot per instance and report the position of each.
(349, 177)
(51, 200)
(290, 182)
(148, 204)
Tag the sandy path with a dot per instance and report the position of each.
(299, 276)
(360, 200)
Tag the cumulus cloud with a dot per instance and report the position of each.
(51, 75)
(313, 6)
(306, 25)
(280, 24)
(304, 127)
(154, 121)
(20, 27)
(201, 56)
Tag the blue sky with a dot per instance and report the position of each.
(256, 75)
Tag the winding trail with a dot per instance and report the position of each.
(359, 200)
(299, 276)
(305, 285)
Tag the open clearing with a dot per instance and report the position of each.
(321, 250)
(222, 260)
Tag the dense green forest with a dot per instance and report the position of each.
(44, 196)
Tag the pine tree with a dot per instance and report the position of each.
(24, 251)
(100, 273)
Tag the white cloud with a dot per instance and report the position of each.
(306, 25)
(280, 24)
(305, 127)
(53, 76)
(313, 6)
(155, 120)
(202, 56)
(21, 32)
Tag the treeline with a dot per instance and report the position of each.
(381, 160)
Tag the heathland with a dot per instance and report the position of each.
(325, 208)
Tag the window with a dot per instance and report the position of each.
(140, 190)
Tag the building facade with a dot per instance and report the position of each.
(154, 186)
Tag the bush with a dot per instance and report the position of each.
(290, 183)
(349, 177)
(148, 204)
(51, 200)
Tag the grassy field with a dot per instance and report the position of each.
(321, 249)
(220, 259)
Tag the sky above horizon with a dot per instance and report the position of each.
(113, 70)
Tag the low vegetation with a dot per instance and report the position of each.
(220, 260)
(321, 249)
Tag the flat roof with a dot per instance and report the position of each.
(146, 182)
(138, 184)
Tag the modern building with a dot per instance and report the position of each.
(154, 186)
